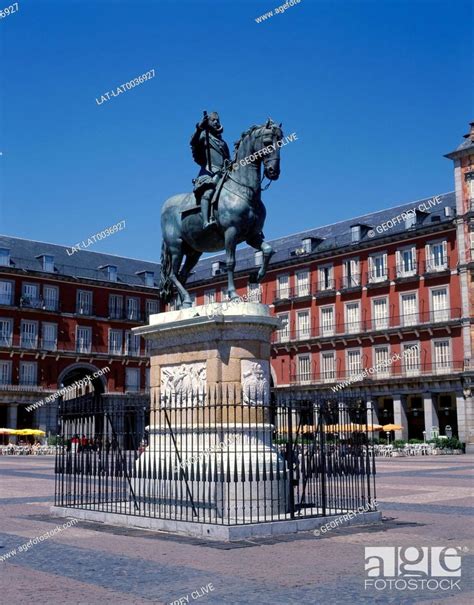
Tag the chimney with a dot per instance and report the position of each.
(470, 135)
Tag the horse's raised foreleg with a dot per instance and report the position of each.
(258, 243)
(176, 259)
(230, 245)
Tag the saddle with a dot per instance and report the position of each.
(215, 198)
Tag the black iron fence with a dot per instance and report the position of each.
(222, 457)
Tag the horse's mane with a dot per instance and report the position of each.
(245, 134)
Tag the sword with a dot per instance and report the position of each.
(208, 145)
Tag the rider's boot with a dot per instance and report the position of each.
(207, 221)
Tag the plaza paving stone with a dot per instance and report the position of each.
(426, 501)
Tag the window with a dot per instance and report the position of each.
(29, 334)
(470, 186)
(151, 307)
(304, 368)
(352, 310)
(6, 293)
(350, 273)
(132, 344)
(209, 297)
(381, 362)
(112, 273)
(83, 339)
(51, 298)
(378, 268)
(258, 258)
(304, 330)
(49, 336)
(6, 332)
(302, 283)
(283, 286)
(442, 356)
(327, 321)
(355, 233)
(283, 334)
(439, 304)
(84, 302)
(406, 262)
(147, 379)
(224, 294)
(328, 366)
(133, 308)
(254, 293)
(4, 257)
(411, 359)
(149, 279)
(115, 306)
(437, 256)
(28, 371)
(409, 309)
(115, 342)
(132, 379)
(410, 220)
(380, 313)
(307, 244)
(354, 362)
(5, 372)
(325, 278)
(30, 296)
(48, 263)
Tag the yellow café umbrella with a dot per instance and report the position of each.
(391, 427)
(344, 428)
(373, 427)
(25, 432)
(6, 431)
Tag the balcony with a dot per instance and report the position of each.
(6, 299)
(85, 310)
(435, 266)
(375, 279)
(281, 296)
(127, 315)
(351, 282)
(407, 271)
(326, 288)
(48, 344)
(27, 302)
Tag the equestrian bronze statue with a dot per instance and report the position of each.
(225, 208)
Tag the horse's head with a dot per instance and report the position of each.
(261, 143)
(267, 139)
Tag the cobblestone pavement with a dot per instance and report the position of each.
(426, 501)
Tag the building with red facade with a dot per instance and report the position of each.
(378, 306)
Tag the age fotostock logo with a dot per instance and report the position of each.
(412, 568)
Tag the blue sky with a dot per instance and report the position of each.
(377, 92)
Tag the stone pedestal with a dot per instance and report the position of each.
(210, 434)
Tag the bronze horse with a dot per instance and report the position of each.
(240, 215)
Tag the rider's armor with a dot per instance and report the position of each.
(208, 147)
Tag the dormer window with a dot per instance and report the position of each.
(216, 268)
(258, 258)
(149, 279)
(410, 220)
(355, 233)
(4, 257)
(48, 263)
(111, 272)
(307, 244)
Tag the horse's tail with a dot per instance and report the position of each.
(166, 285)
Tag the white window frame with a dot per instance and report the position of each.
(352, 266)
(305, 376)
(149, 279)
(254, 293)
(84, 307)
(327, 331)
(28, 373)
(353, 371)
(438, 315)
(411, 369)
(46, 343)
(48, 263)
(210, 296)
(7, 298)
(352, 327)
(5, 259)
(409, 319)
(383, 372)
(133, 308)
(84, 345)
(327, 375)
(373, 277)
(5, 372)
(401, 270)
(380, 323)
(6, 335)
(134, 385)
(50, 303)
(303, 282)
(442, 366)
(112, 273)
(116, 310)
(283, 291)
(303, 332)
(326, 280)
(31, 342)
(132, 344)
(37, 298)
(150, 302)
(431, 265)
(283, 335)
(115, 338)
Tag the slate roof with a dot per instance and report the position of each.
(466, 145)
(84, 263)
(328, 239)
